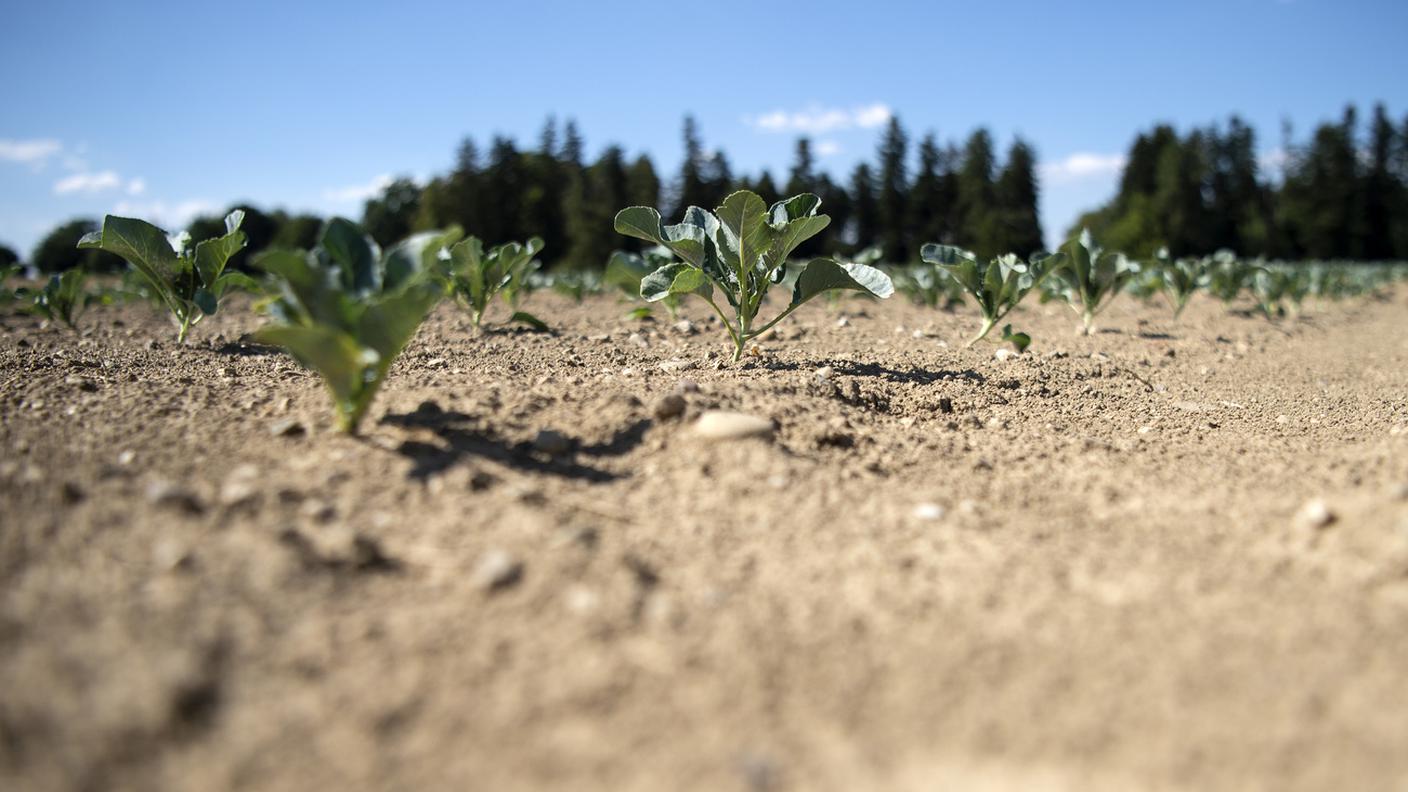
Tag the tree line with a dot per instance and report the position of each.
(1343, 194)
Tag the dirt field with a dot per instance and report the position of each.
(1100, 566)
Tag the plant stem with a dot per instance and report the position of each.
(988, 325)
(185, 328)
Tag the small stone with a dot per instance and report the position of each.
(684, 326)
(239, 488)
(824, 374)
(842, 322)
(581, 600)
(928, 511)
(480, 480)
(496, 571)
(1145, 429)
(726, 425)
(552, 443)
(71, 493)
(918, 334)
(1283, 419)
(82, 383)
(677, 365)
(1400, 492)
(686, 386)
(1003, 353)
(636, 339)
(669, 406)
(288, 427)
(1315, 514)
(317, 510)
(126, 458)
(170, 495)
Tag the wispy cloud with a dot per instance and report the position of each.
(358, 192)
(30, 152)
(1081, 166)
(170, 216)
(96, 182)
(817, 120)
(827, 148)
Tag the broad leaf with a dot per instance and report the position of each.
(824, 274)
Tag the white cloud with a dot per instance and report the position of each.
(827, 148)
(1081, 166)
(816, 120)
(88, 182)
(358, 192)
(170, 216)
(34, 152)
(137, 186)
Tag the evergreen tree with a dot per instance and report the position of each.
(58, 251)
(693, 188)
(1020, 230)
(766, 189)
(865, 210)
(802, 177)
(893, 193)
(929, 207)
(980, 224)
(503, 181)
(1383, 194)
(642, 183)
(543, 204)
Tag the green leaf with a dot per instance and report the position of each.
(746, 235)
(334, 355)
(388, 322)
(523, 317)
(212, 255)
(142, 244)
(823, 275)
(675, 279)
(416, 253)
(206, 302)
(1019, 340)
(237, 280)
(355, 255)
(640, 314)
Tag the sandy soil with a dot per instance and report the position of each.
(1086, 568)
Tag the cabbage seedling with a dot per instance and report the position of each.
(1089, 275)
(997, 286)
(189, 281)
(741, 248)
(1180, 278)
(346, 310)
(61, 299)
(625, 271)
(475, 276)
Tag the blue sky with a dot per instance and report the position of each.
(163, 109)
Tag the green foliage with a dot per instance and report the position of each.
(346, 309)
(189, 281)
(1227, 276)
(625, 271)
(742, 249)
(997, 287)
(475, 276)
(1089, 276)
(1179, 278)
(1273, 286)
(61, 299)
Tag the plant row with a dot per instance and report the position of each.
(347, 307)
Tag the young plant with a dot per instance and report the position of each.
(7, 271)
(1180, 278)
(475, 276)
(346, 310)
(741, 248)
(61, 299)
(1227, 275)
(626, 270)
(997, 287)
(1090, 275)
(189, 281)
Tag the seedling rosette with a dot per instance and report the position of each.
(1180, 278)
(625, 271)
(741, 249)
(62, 299)
(346, 310)
(475, 276)
(1090, 275)
(189, 281)
(997, 287)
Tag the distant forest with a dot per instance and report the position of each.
(1341, 195)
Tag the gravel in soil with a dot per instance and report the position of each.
(1163, 556)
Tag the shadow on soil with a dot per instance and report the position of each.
(463, 441)
(850, 368)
